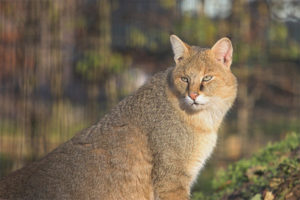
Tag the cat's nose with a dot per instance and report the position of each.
(193, 95)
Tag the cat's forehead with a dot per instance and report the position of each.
(198, 49)
(199, 59)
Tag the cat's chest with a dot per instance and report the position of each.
(202, 148)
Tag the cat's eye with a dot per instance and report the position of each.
(207, 78)
(185, 79)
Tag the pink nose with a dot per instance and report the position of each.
(193, 95)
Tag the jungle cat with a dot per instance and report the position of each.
(150, 146)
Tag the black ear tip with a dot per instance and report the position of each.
(229, 37)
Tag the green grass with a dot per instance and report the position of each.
(265, 171)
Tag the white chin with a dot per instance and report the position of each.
(197, 107)
(191, 106)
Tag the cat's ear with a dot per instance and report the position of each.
(180, 49)
(222, 51)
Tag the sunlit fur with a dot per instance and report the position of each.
(151, 146)
(215, 96)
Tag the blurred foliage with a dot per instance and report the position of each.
(95, 66)
(278, 32)
(9, 127)
(137, 38)
(6, 164)
(275, 127)
(281, 45)
(65, 121)
(167, 3)
(197, 30)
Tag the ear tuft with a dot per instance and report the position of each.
(180, 49)
(222, 51)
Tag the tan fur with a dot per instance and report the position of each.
(150, 146)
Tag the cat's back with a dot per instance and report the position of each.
(110, 158)
(113, 168)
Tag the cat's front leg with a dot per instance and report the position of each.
(173, 188)
(178, 194)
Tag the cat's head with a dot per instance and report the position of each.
(202, 78)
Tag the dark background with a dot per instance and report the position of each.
(63, 64)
